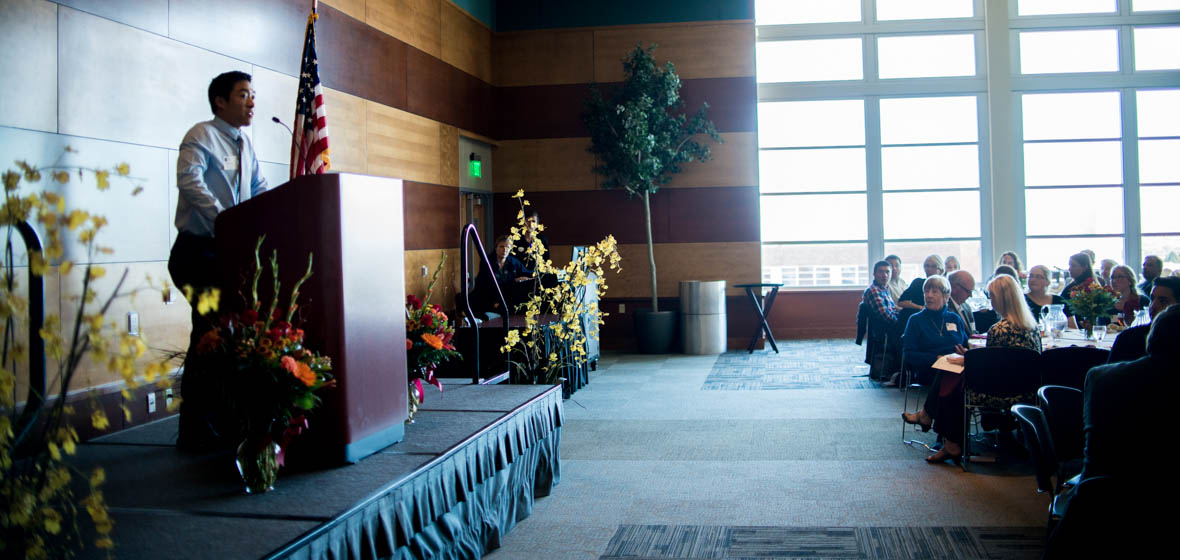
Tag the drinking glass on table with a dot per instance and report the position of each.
(1099, 332)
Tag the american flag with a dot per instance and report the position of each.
(309, 144)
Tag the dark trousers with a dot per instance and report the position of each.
(944, 404)
(193, 263)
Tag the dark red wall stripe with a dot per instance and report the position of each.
(431, 216)
(556, 111)
(680, 215)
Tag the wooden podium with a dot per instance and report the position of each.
(352, 308)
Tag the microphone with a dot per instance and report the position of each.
(284, 125)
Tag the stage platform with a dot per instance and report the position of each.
(469, 469)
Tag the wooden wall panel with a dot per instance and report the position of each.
(448, 153)
(357, 9)
(444, 290)
(721, 214)
(467, 43)
(561, 56)
(715, 50)
(416, 22)
(552, 164)
(401, 144)
(736, 263)
(431, 216)
(359, 59)
(734, 163)
(348, 131)
(439, 91)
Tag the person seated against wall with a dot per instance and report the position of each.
(1009, 258)
(1153, 267)
(1115, 512)
(952, 264)
(1081, 270)
(1038, 297)
(912, 297)
(1105, 267)
(883, 312)
(533, 231)
(1122, 280)
(896, 284)
(931, 333)
(509, 274)
(1131, 344)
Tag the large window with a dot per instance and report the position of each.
(875, 135)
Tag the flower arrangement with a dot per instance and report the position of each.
(44, 503)
(563, 300)
(1090, 301)
(268, 378)
(428, 341)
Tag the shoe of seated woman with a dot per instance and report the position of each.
(916, 419)
(943, 455)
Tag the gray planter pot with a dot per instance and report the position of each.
(656, 331)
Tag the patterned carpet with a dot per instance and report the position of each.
(692, 542)
(800, 364)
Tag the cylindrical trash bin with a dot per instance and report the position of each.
(702, 316)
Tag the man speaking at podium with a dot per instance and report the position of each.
(216, 169)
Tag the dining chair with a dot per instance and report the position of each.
(1035, 432)
(908, 382)
(1062, 407)
(993, 380)
(1067, 366)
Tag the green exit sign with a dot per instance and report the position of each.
(475, 168)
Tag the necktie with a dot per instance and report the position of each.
(243, 187)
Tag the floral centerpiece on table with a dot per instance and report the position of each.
(1091, 301)
(268, 378)
(428, 341)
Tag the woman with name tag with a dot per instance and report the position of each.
(934, 332)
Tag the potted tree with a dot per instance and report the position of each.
(641, 136)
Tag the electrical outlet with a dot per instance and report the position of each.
(424, 271)
(622, 308)
(151, 397)
(133, 323)
(168, 398)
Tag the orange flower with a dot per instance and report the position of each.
(434, 341)
(300, 370)
(409, 344)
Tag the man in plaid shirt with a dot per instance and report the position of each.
(877, 294)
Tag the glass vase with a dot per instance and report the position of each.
(258, 464)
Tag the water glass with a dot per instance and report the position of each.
(1099, 332)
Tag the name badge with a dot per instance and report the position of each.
(952, 327)
(229, 163)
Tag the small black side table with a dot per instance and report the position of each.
(763, 310)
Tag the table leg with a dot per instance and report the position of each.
(766, 305)
(757, 331)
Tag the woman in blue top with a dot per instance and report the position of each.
(935, 331)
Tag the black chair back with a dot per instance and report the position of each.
(984, 319)
(1002, 372)
(1068, 366)
(1036, 440)
(1063, 413)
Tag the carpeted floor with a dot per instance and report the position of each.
(659, 445)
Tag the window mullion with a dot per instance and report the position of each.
(1132, 225)
(876, 204)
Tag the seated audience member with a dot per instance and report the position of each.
(1081, 271)
(912, 297)
(1115, 511)
(1122, 280)
(1016, 328)
(1153, 267)
(877, 294)
(1131, 344)
(962, 284)
(896, 284)
(933, 332)
(952, 264)
(1104, 270)
(1004, 269)
(1037, 296)
(508, 273)
(521, 248)
(1011, 259)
